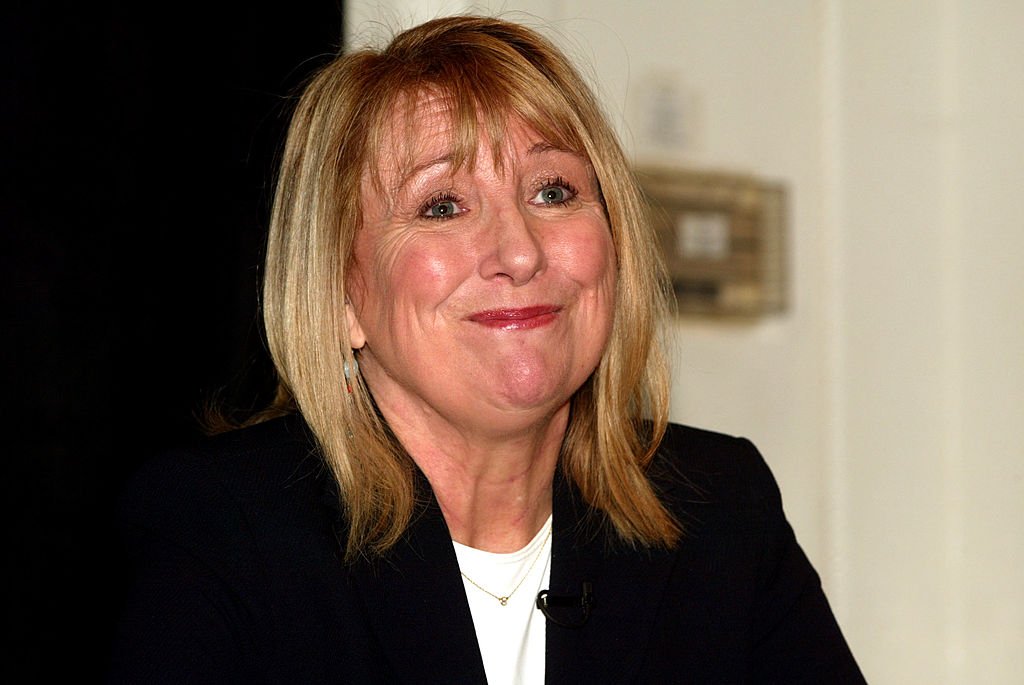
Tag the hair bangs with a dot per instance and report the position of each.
(481, 90)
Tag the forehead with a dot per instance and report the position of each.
(417, 129)
(431, 128)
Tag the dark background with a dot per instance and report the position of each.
(138, 146)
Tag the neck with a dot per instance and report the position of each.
(493, 489)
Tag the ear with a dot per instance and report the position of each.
(356, 336)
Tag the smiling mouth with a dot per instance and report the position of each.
(517, 319)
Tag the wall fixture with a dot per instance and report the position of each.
(722, 236)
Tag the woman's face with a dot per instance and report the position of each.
(481, 297)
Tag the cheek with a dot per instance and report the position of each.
(428, 270)
(590, 258)
(419, 275)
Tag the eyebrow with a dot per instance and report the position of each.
(544, 146)
(419, 168)
(537, 148)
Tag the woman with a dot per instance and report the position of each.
(470, 475)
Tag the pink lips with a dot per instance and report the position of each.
(516, 319)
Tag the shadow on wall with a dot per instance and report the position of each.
(138, 167)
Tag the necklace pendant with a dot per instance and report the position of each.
(503, 600)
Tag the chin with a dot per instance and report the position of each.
(532, 403)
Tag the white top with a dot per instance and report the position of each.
(511, 637)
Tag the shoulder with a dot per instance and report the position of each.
(704, 466)
(244, 462)
(238, 480)
(235, 554)
(740, 559)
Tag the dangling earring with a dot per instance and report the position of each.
(350, 373)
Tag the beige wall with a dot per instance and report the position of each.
(889, 399)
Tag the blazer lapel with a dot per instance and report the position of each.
(415, 602)
(416, 606)
(627, 587)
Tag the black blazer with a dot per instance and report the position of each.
(239, 579)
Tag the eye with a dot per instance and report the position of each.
(442, 210)
(556, 191)
(441, 206)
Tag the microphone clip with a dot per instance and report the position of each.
(568, 611)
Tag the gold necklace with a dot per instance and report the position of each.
(504, 598)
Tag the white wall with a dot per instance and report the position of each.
(930, 163)
(889, 399)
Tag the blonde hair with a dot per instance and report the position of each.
(487, 70)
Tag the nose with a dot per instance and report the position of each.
(513, 249)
